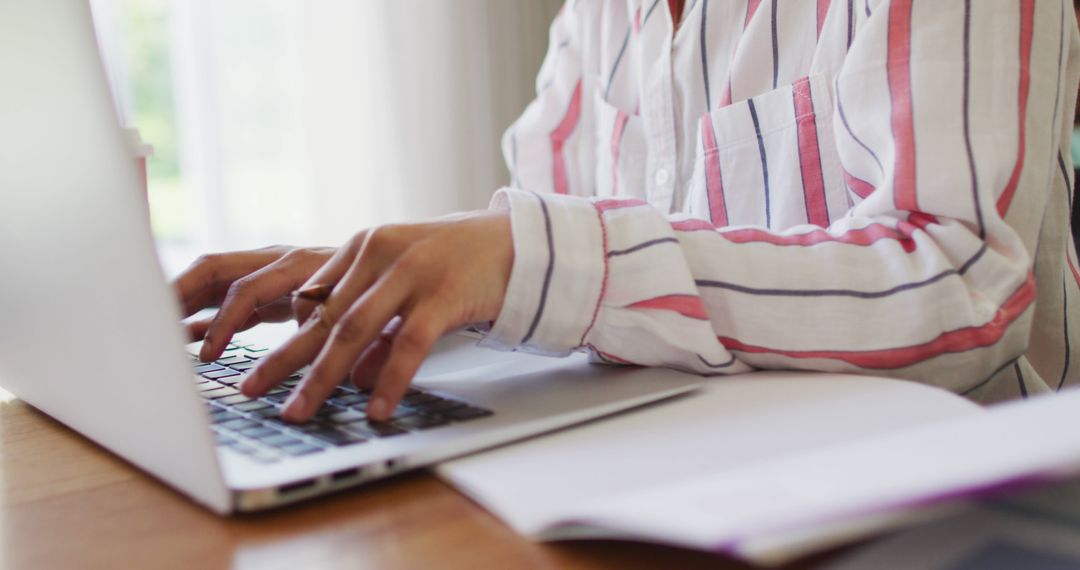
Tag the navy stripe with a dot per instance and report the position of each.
(775, 48)
(826, 292)
(547, 273)
(866, 4)
(967, 120)
(1065, 175)
(990, 377)
(642, 246)
(1020, 379)
(716, 366)
(850, 21)
(1065, 319)
(847, 126)
(764, 161)
(971, 261)
(649, 13)
(618, 59)
(704, 55)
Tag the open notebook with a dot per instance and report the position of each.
(771, 466)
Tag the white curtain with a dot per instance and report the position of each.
(305, 121)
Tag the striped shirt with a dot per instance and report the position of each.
(865, 186)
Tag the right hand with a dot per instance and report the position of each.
(250, 287)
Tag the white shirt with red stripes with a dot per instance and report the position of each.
(864, 186)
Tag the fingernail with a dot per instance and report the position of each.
(296, 406)
(377, 408)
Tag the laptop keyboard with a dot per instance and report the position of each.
(254, 427)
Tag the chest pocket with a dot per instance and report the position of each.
(770, 160)
(621, 150)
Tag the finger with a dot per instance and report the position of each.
(261, 288)
(196, 329)
(410, 346)
(330, 273)
(218, 270)
(210, 297)
(371, 361)
(291, 356)
(356, 329)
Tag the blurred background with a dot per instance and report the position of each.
(301, 122)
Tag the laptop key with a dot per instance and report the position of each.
(243, 366)
(441, 405)
(299, 449)
(230, 381)
(224, 416)
(209, 367)
(238, 424)
(419, 398)
(250, 406)
(207, 386)
(278, 398)
(279, 440)
(422, 421)
(223, 439)
(230, 360)
(337, 437)
(234, 399)
(268, 412)
(220, 392)
(373, 429)
(223, 373)
(258, 431)
(466, 413)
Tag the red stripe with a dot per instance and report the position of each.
(898, 65)
(751, 7)
(604, 282)
(860, 187)
(1027, 24)
(725, 97)
(817, 211)
(559, 136)
(958, 340)
(637, 21)
(616, 142)
(714, 183)
(686, 305)
(860, 236)
(822, 11)
(617, 203)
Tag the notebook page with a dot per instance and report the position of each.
(739, 510)
(730, 423)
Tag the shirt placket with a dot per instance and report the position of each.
(658, 112)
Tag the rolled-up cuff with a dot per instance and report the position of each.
(558, 273)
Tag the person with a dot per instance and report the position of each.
(863, 186)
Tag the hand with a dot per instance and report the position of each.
(397, 289)
(251, 287)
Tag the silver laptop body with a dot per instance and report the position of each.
(89, 331)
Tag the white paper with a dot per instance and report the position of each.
(731, 423)
(730, 510)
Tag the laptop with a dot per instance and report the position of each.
(90, 330)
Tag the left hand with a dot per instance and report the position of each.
(397, 289)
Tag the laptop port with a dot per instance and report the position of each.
(297, 486)
(345, 474)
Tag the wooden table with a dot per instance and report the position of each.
(67, 503)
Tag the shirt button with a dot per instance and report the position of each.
(661, 177)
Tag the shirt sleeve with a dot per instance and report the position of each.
(928, 277)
